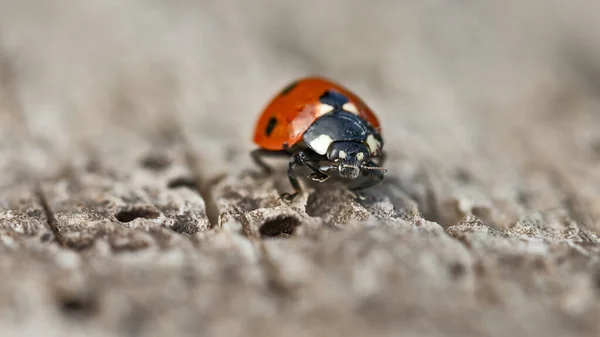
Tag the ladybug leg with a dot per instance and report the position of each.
(294, 161)
(259, 154)
(318, 177)
(321, 174)
(310, 161)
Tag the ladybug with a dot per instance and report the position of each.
(321, 125)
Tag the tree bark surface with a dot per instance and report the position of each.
(129, 205)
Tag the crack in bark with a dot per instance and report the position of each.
(51, 221)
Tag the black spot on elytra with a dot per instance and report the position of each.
(289, 88)
(333, 98)
(130, 214)
(271, 126)
(279, 226)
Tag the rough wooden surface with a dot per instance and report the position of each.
(129, 205)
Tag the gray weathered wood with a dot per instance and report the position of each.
(129, 205)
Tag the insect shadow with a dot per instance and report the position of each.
(405, 195)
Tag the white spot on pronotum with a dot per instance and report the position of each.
(342, 154)
(350, 107)
(324, 109)
(321, 144)
(373, 144)
(360, 156)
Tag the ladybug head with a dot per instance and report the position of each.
(350, 157)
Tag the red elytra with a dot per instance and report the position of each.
(289, 114)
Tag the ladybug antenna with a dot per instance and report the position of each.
(375, 168)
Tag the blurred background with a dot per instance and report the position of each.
(495, 86)
(493, 105)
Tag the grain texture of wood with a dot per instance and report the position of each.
(129, 205)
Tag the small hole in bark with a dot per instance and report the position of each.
(156, 162)
(188, 182)
(46, 237)
(93, 165)
(128, 215)
(457, 270)
(279, 226)
(78, 305)
(463, 176)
